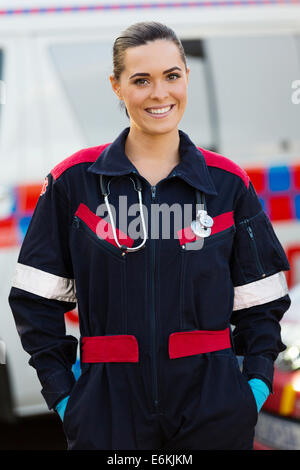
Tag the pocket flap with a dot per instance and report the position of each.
(101, 227)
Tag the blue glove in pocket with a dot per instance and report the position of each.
(61, 407)
(260, 391)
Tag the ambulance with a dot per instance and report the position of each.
(244, 102)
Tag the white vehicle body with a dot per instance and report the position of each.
(56, 98)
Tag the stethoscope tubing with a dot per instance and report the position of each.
(105, 194)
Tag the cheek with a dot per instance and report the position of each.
(136, 101)
(181, 94)
(182, 102)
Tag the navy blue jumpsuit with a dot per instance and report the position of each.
(160, 328)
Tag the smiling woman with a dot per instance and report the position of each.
(158, 357)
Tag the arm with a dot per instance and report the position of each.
(260, 291)
(43, 290)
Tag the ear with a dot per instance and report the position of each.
(188, 73)
(115, 86)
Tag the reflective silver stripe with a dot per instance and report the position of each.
(44, 284)
(260, 292)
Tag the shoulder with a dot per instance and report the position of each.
(223, 163)
(86, 155)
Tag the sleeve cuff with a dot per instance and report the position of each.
(259, 367)
(57, 386)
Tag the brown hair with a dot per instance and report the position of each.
(137, 35)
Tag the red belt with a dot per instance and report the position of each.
(124, 348)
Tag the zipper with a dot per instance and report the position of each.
(254, 247)
(107, 246)
(153, 315)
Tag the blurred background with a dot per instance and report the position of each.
(56, 98)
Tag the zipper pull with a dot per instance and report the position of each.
(153, 192)
(250, 231)
(76, 221)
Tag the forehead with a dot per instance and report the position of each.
(154, 56)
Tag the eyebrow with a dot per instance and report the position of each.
(148, 74)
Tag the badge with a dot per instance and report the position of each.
(44, 187)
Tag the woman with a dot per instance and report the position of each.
(158, 359)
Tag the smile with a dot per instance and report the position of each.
(160, 112)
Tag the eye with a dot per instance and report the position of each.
(174, 75)
(139, 81)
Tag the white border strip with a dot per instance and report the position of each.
(44, 284)
(153, 5)
(260, 292)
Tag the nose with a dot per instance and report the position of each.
(159, 90)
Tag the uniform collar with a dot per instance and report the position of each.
(192, 167)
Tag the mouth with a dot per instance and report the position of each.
(160, 112)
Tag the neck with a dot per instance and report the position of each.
(142, 147)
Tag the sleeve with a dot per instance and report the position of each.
(261, 295)
(43, 290)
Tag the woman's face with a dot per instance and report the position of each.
(154, 77)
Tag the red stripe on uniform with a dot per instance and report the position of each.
(221, 222)
(82, 156)
(101, 227)
(219, 161)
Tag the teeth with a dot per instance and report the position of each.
(159, 111)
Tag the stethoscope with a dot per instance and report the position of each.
(201, 227)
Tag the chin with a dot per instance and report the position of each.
(158, 127)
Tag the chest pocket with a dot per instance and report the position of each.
(100, 231)
(222, 224)
(205, 284)
(100, 266)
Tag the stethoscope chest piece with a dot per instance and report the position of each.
(202, 225)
